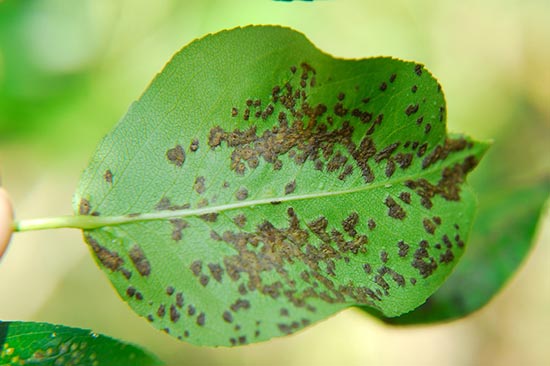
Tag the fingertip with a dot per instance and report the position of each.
(6, 220)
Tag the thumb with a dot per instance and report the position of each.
(6, 220)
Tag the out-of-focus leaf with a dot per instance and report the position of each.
(260, 185)
(42, 344)
(501, 238)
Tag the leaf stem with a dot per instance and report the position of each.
(75, 222)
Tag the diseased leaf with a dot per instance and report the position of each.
(42, 344)
(260, 185)
(501, 238)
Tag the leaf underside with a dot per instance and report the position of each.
(267, 185)
(42, 344)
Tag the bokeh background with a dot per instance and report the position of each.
(70, 69)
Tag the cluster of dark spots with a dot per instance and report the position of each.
(240, 304)
(396, 277)
(411, 109)
(131, 291)
(459, 241)
(384, 256)
(371, 224)
(84, 207)
(108, 259)
(178, 226)
(293, 327)
(170, 290)
(350, 222)
(405, 197)
(108, 176)
(441, 152)
(216, 270)
(201, 319)
(418, 69)
(194, 146)
(425, 268)
(394, 210)
(140, 261)
(199, 186)
(241, 194)
(403, 248)
(448, 186)
(176, 155)
(429, 226)
(209, 217)
(383, 86)
(290, 187)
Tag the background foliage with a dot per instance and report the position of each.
(69, 70)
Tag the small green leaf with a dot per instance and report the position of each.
(501, 238)
(260, 185)
(42, 344)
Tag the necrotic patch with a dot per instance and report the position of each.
(140, 261)
(176, 155)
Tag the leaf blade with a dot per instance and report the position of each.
(266, 194)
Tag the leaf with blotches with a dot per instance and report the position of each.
(501, 238)
(260, 185)
(42, 344)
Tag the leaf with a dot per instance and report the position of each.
(28, 343)
(501, 238)
(260, 185)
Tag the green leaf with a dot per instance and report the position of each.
(501, 238)
(27, 343)
(260, 185)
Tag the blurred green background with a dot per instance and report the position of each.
(70, 69)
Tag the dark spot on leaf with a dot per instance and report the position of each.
(131, 291)
(411, 109)
(405, 197)
(84, 207)
(240, 220)
(176, 156)
(240, 304)
(108, 259)
(216, 271)
(194, 145)
(196, 267)
(403, 248)
(178, 226)
(371, 224)
(179, 300)
(241, 194)
(227, 317)
(199, 186)
(383, 86)
(191, 310)
(290, 187)
(140, 261)
(201, 319)
(418, 69)
(174, 314)
(394, 210)
(161, 311)
(108, 176)
(170, 290)
(414, 88)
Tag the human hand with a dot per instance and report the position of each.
(6, 220)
